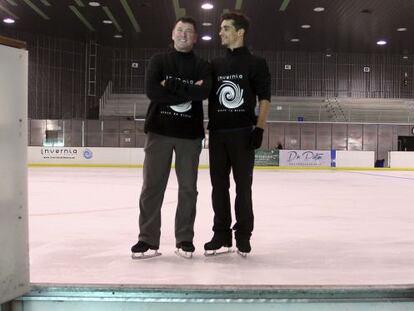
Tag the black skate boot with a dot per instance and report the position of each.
(243, 247)
(217, 242)
(139, 250)
(185, 249)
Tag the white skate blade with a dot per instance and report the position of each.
(187, 255)
(146, 255)
(218, 252)
(244, 255)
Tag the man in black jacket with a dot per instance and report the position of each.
(176, 83)
(239, 79)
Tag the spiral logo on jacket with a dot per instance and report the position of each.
(230, 95)
(184, 107)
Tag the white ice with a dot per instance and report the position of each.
(311, 228)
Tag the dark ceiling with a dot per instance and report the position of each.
(344, 26)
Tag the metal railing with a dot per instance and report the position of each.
(104, 98)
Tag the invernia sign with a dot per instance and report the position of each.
(85, 156)
(65, 153)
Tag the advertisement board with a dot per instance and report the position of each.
(266, 157)
(312, 158)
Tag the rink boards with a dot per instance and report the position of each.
(62, 298)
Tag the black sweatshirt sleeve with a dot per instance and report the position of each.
(154, 90)
(192, 92)
(261, 79)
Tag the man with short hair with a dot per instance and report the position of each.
(239, 79)
(176, 83)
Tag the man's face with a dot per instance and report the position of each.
(184, 37)
(230, 37)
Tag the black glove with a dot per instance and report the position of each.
(256, 138)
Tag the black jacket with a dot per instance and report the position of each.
(176, 109)
(239, 79)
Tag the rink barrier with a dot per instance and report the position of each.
(134, 158)
(402, 159)
(226, 297)
(291, 168)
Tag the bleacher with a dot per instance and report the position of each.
(313, 109)
(125, 105)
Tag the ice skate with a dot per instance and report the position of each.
(185, 249)
(218, 247)
(243, 247)
(143, 250)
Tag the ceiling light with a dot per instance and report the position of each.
(9, 20)
(206, 38)
(405, 57)
(107, 21)
(207, 6)
(328, 55)
(305, 26)
(118, 36)
(94, 3)
(402, 29)
(319, 9)
(295, 40)
(381, 42)
(207, 24)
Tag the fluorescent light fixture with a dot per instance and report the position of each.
(107, 21)
(294, 40)
(319, 9)
(207, 6)
(328, 55)
(94, 3)
(206, 38)
(35, 8)
(381, 42)
(112, 18)
(405, 57)
(118, 36)
(306, 26)
(284, 5)
(402, 29)
(207, 24)
(9, 20)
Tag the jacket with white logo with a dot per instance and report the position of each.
(239, 80)
(176, 109)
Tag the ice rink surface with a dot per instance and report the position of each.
(311, 228)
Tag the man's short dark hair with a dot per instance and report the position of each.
(240, 20)
(188, 20)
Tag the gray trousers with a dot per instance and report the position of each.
(157, 165)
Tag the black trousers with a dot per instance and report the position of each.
(228, 151)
